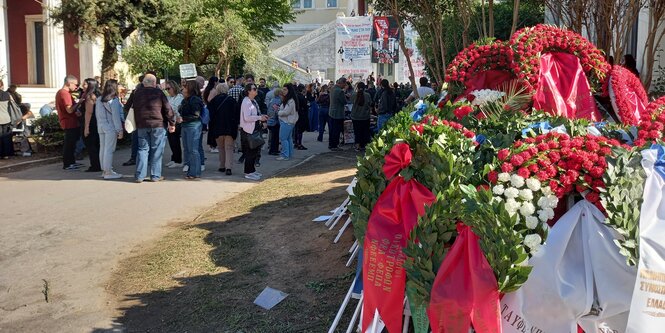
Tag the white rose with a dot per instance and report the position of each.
(504, 177)
(498, 189)
(511, 193)
(547, 190)
(527, 209)
(532, 241)
(526, 194)
(542, 215)
(517, 181)
(531, 222)
(533, 184)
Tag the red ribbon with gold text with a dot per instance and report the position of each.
(393, 217)
(465, 291)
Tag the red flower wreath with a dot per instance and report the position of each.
(565, 164)
(652, 124)
(530, 43)
(623, 84)
(477, 58)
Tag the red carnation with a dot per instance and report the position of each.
(418, 128)
(516, 160)
(542, 175)
(503, 154)
(592, 197)
(523, 172)
(506, 167)
(462, 111)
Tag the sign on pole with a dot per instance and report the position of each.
(353, 46)
(187, 71)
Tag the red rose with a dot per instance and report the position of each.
(503, 154)
(462, 111)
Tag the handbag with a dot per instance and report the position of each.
(130, 123)
(255, 140)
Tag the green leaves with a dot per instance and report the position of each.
(152, 55)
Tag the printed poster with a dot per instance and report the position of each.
(417, 60)
(385, 40)
(353, 46)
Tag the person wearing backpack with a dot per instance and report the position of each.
(387, 104)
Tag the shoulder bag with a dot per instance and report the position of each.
(130, 123)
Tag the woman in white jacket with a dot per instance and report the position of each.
(288, 116)
(108, 115)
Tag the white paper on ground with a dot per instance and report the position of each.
(270, 297)
(647, 311)
(578, 276)
(322, 218)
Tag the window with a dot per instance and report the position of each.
(306, 3)
(295, 4)
(331, 3)
(298, 4)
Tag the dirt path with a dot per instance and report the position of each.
(204, 276)
(62, 234)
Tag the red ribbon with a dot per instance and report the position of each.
(465, 291)
(563, 88)
(393, 217)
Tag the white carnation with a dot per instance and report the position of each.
(526, 194)
(533, 184)
(511, 193)
(552, 201)
(504, 177)
(535, 249)
(532, 241)
(498, 189)
(531, 222)
(517, 181)
(512, 206)
(542, 202)
(542, 215)
(547, 190)
(485, 96)
(527, 209)
(550, 213)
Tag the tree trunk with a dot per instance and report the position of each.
(482, 13)
(109, 58)
(516, 16)
(188, 47)
(490, 14)
(654, 38)
(402, 44)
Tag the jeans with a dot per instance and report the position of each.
(286, 138)
(6, 143)
(107, 143)
(135, 145)
(250, 154)
(150, 150)
(201, 151)
(323, 120)
(93, 145)
(225, 146)
(336, 127)
(191, 139)
(314, 117)
(361, 132)
(72, 135)
(174, 143)
(382, 119)
(274, 139)
(80, 145)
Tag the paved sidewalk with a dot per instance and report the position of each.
(71, 228)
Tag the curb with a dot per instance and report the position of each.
(30, 162)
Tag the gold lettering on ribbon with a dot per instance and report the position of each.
(651, 282)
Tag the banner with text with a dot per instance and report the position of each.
(385, 40)
(352, 43)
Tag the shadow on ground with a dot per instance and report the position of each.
(277, 245)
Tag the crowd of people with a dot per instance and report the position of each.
(227, 115)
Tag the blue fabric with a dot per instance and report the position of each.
(323, 120)
(480, 139)
(314, 116)
(419, 113)
(659, 165)
(358, 287)
(205, 115)
(150, 150)
(286, 138)
(382, 119)
(135, 145)
(543, 126)
(191, 139)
